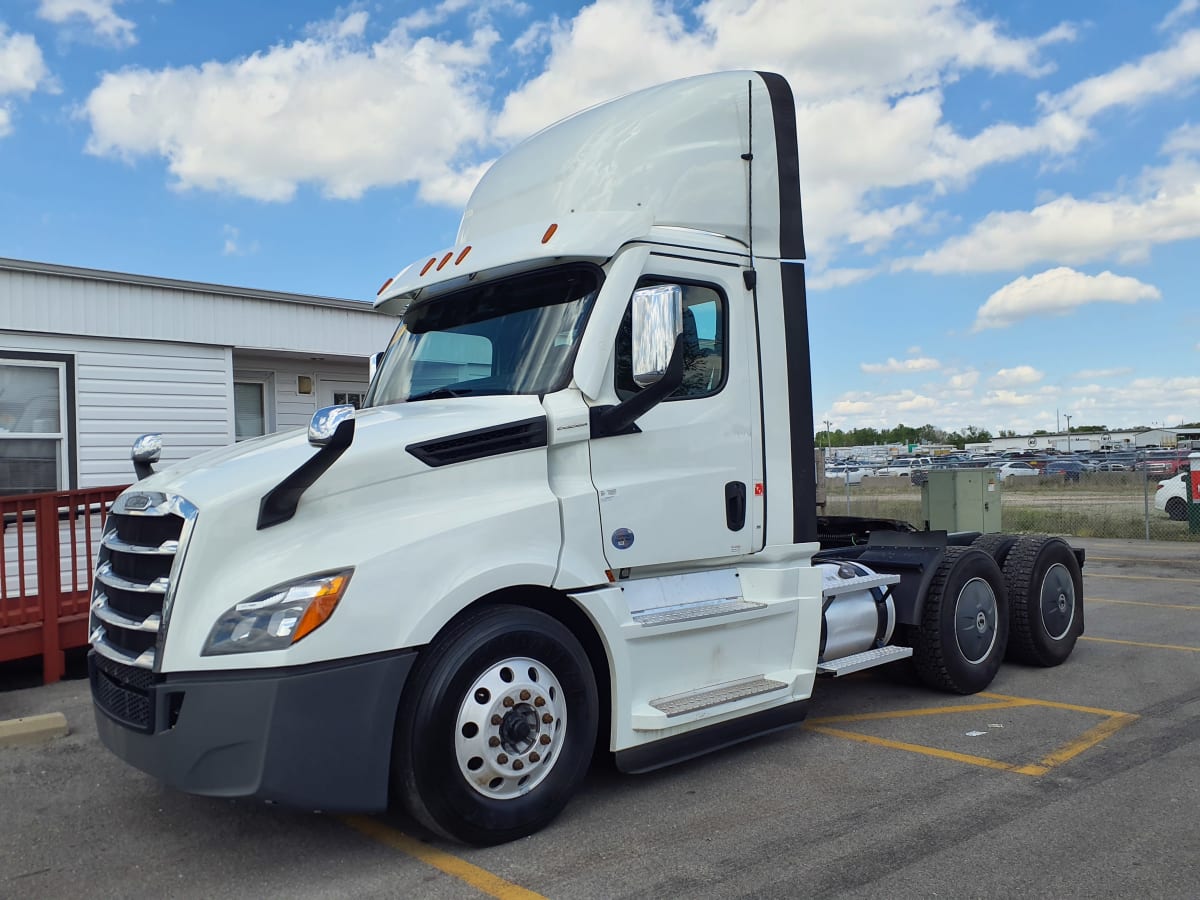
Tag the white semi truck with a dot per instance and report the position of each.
(575, 514)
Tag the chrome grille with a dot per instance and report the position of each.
(139, 561)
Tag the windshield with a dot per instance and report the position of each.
(515, 336)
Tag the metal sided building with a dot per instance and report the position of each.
(91, 359)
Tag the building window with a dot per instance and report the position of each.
(249, 409)
(34, 416)
(351, 398)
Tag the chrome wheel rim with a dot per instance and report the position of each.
(510, 729)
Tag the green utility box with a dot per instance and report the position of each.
(961, 500)
(1192, 487)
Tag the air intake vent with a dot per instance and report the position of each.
(482, 443)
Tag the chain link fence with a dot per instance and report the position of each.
(1122, 504)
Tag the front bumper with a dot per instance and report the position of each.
(312, 737)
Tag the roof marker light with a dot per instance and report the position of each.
(463, 255)
(432, 260)
(445, 259)
(384, 286)
(549, 232)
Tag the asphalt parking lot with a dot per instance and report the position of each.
(1081, 781)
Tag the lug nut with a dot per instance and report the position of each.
(534, 756)
(508, 702)
(502, 758)
(545, 739)
(496, 720)
(493, 741)
(539, 701)
(547, 718)
(517, 764)
(525, 695)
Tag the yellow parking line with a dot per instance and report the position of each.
(480, 879)
(1055, 704)
(1009, 703)
(1143, 603)
(916, 748)
(1143, 577)
(1141, 644)
(1085, 741)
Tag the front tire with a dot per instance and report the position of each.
(1045, 589)
(963, 633)
(496, 727)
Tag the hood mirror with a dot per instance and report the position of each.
(146, 450)
(325, 423)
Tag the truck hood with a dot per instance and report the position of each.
(251, 468)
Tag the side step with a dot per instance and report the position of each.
(858, 583)
(865, 660)
(678, 704)
(684, 612)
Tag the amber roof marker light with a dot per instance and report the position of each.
(550, 232)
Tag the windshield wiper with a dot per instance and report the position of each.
(439, 394)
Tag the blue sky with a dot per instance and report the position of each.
(1002, 199)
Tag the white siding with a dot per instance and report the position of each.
(125, 388)
(102, 305)
(292, 409)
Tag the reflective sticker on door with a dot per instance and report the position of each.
(622, 539)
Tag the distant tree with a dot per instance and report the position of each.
(1041, 431)
(1089, 428)
(1006, 433)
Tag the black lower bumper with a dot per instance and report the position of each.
(313, 737)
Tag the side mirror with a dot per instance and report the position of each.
(657, 324)
(325, 423)
(373, 365)
(146, 450)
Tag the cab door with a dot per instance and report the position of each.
(687, 485)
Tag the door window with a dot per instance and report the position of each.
(703, 338)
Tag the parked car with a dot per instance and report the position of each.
(904, 467)
(1070, 469)
(1171, 497)
(1013, 469)
(847, 472)
(1163, 462)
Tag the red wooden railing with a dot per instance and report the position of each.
(50, 543)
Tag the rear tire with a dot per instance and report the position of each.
(1045, 591)
(496, 727)
(1177, 509)
(963, 633)
(997, 546)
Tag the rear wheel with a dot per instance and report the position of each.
(964, 623)
(1045, 591)
(995, 545)
(1177, 508)
(496, 727)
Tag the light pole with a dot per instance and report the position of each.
(1068, 418)
(828, 443)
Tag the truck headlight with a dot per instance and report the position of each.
(278, 617)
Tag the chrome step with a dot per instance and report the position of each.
(678, 704)
(684, 612)
(859, 583)
(866, 660)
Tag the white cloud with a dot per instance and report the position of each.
(836, 278)
(1057, 292)
(1092, 374)
(1164, 208)
(1181, 11)
(22, 71)
(233, 245)
(963, 381)
(1017, 375)
(330, 111)
(901, 366)
(1007, 398)
(22, 68)
(1183, 140)
(99, 15)
(1153, 75)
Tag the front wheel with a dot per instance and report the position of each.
(496, 726)
(964, 623)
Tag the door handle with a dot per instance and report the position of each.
(735, 505)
